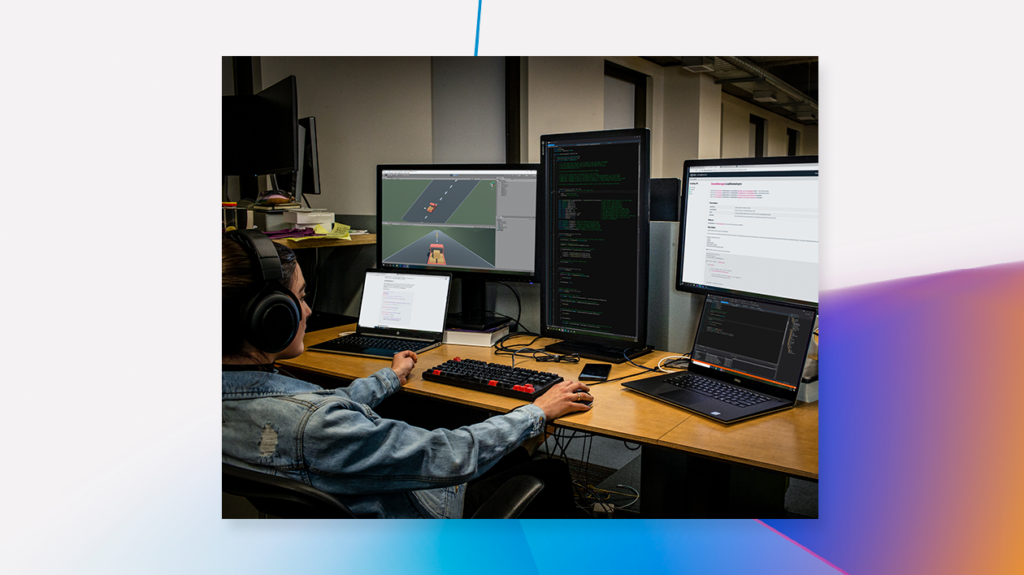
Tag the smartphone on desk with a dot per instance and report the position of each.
(595, 372)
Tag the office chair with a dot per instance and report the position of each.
(290, 499)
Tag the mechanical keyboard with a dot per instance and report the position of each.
(717, 390)
(495, 378)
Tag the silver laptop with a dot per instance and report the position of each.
(398, 312)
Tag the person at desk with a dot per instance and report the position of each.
(332, 439)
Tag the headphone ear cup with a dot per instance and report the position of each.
(272, 319)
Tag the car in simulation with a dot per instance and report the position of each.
(435, 256)
(432, 206)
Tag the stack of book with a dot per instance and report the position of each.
(477, 338)
(276, 207)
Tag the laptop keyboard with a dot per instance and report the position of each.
(377, 342)
(717, 390)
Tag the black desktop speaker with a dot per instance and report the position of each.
(271, 317)
(665, 199)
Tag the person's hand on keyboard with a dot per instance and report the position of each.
(402, 364)
(564, 398)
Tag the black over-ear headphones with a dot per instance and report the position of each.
(271, 317)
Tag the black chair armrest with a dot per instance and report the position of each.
(509, 501)
(280, 496)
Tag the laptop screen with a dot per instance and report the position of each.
(404, 301)
(764, 341)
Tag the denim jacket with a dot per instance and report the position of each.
(333, 441)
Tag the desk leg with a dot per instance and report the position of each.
(676, 485)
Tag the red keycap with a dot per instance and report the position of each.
(437, 372)
(457, 359)
(517, 388)
(492, 383)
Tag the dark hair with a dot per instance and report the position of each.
(238, 285)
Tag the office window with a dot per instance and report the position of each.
(758, 130)
(623, 110)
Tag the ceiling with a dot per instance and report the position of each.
(791, 81)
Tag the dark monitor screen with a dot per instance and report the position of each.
(477, 221)
(260, 132)
(595, 186)
(749, 226)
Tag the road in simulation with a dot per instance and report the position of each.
(447, 194)
(455, 254)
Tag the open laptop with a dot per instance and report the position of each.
(399, 311)
(747, 360)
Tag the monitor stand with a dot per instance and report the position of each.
(600, 352)
(474, 315)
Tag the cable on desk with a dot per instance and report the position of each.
(630, 361)
(674, 358)
(538, 355)
(518, 302)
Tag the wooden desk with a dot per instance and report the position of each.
(616, 413)
(784, 443)
(360, 240)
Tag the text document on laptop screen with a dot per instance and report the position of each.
(404, 301)
(752, 229)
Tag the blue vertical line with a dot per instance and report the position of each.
(479, 9)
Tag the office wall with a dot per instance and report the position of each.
(809, 141)
(563, 95)
(692, 120)
(369, 111)
(655, 105)
(468, 109)
(736, 130)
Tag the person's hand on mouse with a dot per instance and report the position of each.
(402, 363)
(563, 398)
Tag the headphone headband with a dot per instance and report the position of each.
(272, 315)
(261, 248)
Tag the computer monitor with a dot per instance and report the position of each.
(260, 132)
(750, 227)
(306, 180)
(595, 187)
(476, 221)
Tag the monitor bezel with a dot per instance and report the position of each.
(681, 243)
(461, 273)
(644, 224)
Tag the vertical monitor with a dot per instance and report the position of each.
(476, 221)
(306, 179)
(750, 227)
(308, 176)
(596, 187)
